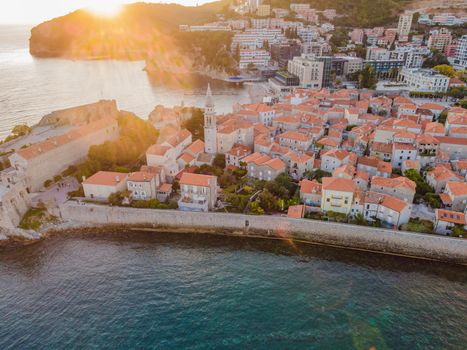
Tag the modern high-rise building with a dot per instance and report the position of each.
(210, 125)
(404, 25)
(460, 60)
(439, 39)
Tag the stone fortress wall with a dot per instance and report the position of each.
(343, 235)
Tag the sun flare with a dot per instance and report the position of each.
(105, 8)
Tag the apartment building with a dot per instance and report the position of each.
(404, 25)
(309, 70)
(425, 80)
(337, 195)
(198, 192)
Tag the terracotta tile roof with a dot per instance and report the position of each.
(141, 176)
(402, 100)
(299, 158)
(263, 140)
(55, 142)
(106, 178)
(186, 157)
(458, 130)
(360, 174)
(412, 164)
(327, 141)
(452, 140)
(196, 179)
(195, 147)
(338, 184)
(239, 151)
(431, 106)
(403, 146)
(336, 153)
(157, 150)
(451, 216)
(441, 173)
(368, 161)
(405, 134)
(311, 187)
(296, 211)
(258, 107)
(397, 182)
(445, 198)
(291, 119)
(457, 188)
(165, 188)
(276, 164)
(178, 138)
(385, 200)
(435, 128)
(345, 169)
(293, 135)
(427, 138)
(458, 119)
(461, 164)
(381, 147)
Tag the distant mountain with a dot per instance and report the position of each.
(139, 28)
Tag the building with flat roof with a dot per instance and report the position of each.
(427, 80)
(404, 25)
(309, 70)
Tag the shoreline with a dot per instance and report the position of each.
(341, 236)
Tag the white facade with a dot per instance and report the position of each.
(259, 58)
(424, 80)
(210, 126)
(404, 25)
(44, 160)
(460, 61)
(309, 70)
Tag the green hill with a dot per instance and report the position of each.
(133, 32)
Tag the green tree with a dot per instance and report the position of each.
(219, 161)
(367, 78)
(268, 201)
(436, 59)
(446, 70)
(195, 124)
(255, 208)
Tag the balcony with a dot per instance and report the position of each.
(190, 204)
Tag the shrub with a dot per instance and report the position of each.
(47, 183)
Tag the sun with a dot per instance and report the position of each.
(105, 8)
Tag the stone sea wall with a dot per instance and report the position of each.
(343, 235)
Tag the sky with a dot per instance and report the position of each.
(37, 11)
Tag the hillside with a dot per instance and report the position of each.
(357, 13)
(139, 28)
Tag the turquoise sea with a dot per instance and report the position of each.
(173, 291)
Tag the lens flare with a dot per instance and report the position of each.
(105, 8)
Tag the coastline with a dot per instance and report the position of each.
(99, 219)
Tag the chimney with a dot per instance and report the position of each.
(84, 178)
(117, 178)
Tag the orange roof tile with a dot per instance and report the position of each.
(398, 182)
(451, 216)
(338, 184)
(196, 179)
(106, 178)
(52, 143)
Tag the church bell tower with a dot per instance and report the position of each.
(210, 127)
